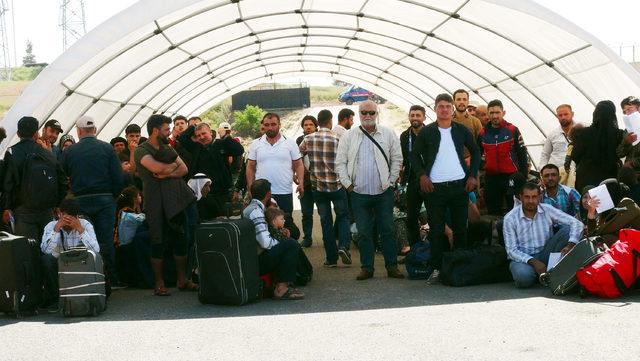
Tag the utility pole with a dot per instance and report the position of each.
(5, 53)
(72, 21)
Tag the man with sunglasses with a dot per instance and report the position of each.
(445, 178)
(368, 163)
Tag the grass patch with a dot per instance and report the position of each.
(325, 93)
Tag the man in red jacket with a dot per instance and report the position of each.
(504, 153)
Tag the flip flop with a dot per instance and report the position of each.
(162, 291)
(290, 295)
(189, 286)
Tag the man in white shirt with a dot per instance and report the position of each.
(345, 121)
(368, 164)
(445, 179)
(67, 232)
(274, 157)
(554, 150)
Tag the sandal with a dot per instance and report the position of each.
(188, 286)
(290, 294)
(161, 291)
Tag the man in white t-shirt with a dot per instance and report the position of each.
(445, 179)
(274, 157)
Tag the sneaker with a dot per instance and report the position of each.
(345, 256)
(326, 264)
(434, 278)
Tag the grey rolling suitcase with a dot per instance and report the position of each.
(82, 284)
(561, 279)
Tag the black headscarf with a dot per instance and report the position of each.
(605, 134)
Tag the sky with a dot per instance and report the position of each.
(610, 21)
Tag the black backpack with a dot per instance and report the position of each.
(39, 183)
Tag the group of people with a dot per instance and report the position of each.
(185, 172)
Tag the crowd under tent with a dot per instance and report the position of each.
(183, 56)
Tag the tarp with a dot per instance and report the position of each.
(182, 56)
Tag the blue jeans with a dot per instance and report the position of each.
(523, 273)
(306, 204)
(371, 210)
(100, 210)
(339, 200)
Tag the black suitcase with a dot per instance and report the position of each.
(227, 255)
(82, 283)
(20, 277)
(468, 267)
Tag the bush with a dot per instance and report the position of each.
(25, 73)
(247, 122)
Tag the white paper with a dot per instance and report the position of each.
(601, 192)
(632, 124)
(554, 259)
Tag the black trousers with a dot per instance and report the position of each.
(495, 194)
(282, 260)
(414, 204)
(453, 197)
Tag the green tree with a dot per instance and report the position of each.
(29, 58)
(247, 122)
(218, 113)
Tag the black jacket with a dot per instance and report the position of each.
(212, 159)
(13, 166)
(407, 140)
(428, 144)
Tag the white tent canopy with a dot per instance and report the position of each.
(182, 56)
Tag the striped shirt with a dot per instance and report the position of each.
(567, 200)
(255, 213)
(321, 148)
(525, 237)
(367, 178)
(52, 240)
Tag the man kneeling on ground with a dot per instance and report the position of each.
(74, 232)
(529, 236)
(280, 257)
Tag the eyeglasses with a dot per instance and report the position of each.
(370, 112)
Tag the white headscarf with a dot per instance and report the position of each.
(196, 183)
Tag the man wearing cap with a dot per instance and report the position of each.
(96, 180)
(31, 210)
(50, 134)
(471, 108)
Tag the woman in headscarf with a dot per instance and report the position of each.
(66, 141)
(594, 149)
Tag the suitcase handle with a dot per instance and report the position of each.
(618, 280)
(76, 253)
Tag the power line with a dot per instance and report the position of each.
(72, 21)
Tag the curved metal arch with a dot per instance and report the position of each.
(510, 40)
(454, 61)
(303, 11)
(319, 62)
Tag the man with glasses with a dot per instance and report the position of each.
(368, 164)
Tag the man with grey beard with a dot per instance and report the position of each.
(368, 163)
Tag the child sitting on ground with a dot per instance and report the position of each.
(275, 221)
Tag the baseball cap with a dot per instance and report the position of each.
(515, 183)
(225, 126)
(85, 121)
(27, 126)
(53, 124)
(473, 104)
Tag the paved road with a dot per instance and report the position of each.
(341, 319)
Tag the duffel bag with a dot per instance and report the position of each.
(417, 262)
(616, 270)
(467, 267)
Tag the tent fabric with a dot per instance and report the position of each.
(182, 56)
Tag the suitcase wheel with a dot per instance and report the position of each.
(544, 279)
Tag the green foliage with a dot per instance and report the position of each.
(247, 122)
(219, 113)
(25, 73)
(28, 58)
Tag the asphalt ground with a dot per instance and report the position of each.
(340, 319)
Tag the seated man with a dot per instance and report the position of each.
(529, 237)
(74, 232)
(278, 257)
(559, 195)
